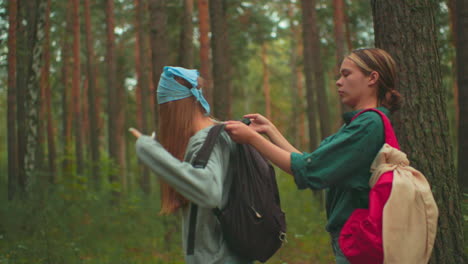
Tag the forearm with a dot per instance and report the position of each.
(277, 155)
(279, 140)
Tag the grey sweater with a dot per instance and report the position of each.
(207, 187)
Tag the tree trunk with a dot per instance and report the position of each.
(186, 36)
(76, 87)
(349, 42)
(143, 86)
(407, 30)
(94, 132)
(221, 60)
(338, 19)
(205, 68)
(11, 120)
(112, 92)
(266, 82)
(67, 110)
(120, 120)
(159, 44)
(52, 170)
(462, 69)
(30, 87)
(339, 22)
(307, 25)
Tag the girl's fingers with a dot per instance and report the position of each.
(252, 116)
(135, 132)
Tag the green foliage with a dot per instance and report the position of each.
(70, 223)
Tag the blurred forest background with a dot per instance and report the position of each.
(76, 74)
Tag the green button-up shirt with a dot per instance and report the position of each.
(342, 164)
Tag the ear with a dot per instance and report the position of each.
(373, 78)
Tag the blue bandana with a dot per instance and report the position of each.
(170, 90)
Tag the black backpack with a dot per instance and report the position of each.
(253, 224)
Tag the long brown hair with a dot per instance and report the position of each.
(175, 130)
(374, 59)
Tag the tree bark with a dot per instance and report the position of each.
(94, 131)
(339, 29)
(67, 110)
(205, 62)
(143, 86)
(28, 80)
(221, 60)
(112, 92)
(159, 44)
(51, 152)
(76, 87)
(462, 77)
(307, 25)
(186, 36)
(338, 19)
(407, 30)
(11, 120)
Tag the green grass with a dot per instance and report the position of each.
(73, 224)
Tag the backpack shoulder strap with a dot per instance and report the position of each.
(204, 153)
(200, 161)
(390, 137)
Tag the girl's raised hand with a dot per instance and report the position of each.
(240, 132)
(135, 132)
(259, 123)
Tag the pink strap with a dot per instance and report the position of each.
(390, 137)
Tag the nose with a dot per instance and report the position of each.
(339, 82)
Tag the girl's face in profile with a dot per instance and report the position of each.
(354, 87)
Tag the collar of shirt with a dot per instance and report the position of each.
(349, 115)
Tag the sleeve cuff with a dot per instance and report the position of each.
(298, 165)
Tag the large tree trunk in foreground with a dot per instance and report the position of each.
(406, 29)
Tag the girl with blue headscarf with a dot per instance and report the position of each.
(184, 123)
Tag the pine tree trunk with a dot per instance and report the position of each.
(462, 69)
(47, 102)
(143, 85)
(339, 23)
(76, 87)
(186, 36)
(23, 58)
(221, 60)
(205, 68)
(120, 121)
(307, 25)
(349, 42)
(407, 30)
(94, 132)
(159, 44)
(112, 92)
(338, 19)
(67, 105)
(11, 120)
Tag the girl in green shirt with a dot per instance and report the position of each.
(341, 164)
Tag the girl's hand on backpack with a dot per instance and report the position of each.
(240, 132)
(260, 123)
